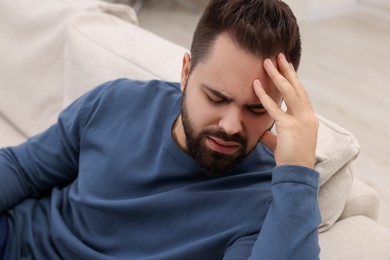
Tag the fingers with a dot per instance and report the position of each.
(269, 104)
(288, 84)
(282, 84)
(287, 70)
(296, 128)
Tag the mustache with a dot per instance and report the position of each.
(224, 136)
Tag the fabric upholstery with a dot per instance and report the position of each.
(336, 150)
(355, 237)
(101, 47)
(33, 47)
(362, 200)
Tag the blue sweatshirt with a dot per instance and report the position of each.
(107, 181)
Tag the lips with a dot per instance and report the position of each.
(221, 146)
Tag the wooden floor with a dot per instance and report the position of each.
(346, 70)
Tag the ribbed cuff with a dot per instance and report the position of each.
(295, 174)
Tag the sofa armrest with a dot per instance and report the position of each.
(356, 237)
(362, 200)
(336, 150)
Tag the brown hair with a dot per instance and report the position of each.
(262, 27)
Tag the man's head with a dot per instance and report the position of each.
(222, 119)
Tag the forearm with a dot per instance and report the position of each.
(49, 159)
(33, 168)
(44, 161)
(290, 230)
(12, 186)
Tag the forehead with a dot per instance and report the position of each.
(232, 70)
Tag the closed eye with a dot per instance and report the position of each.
(216, 100)
(257, 109)
(214, 96)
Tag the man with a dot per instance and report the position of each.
(157, 170)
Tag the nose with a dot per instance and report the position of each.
(231, 121)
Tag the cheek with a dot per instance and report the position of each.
(256, 128)
(201, 114)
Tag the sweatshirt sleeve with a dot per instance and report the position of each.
(46, 160)
(290, 228)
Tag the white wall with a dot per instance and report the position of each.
(309, 10)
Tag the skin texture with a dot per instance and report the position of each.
(234, 96)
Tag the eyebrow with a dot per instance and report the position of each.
(217, 93)
(221, 95)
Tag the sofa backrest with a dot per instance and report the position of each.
(52, 51)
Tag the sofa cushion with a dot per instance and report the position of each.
(362, 200)
(355, 237)
(32, 50)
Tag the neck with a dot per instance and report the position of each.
(178, 134)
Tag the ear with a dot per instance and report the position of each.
(185, 70)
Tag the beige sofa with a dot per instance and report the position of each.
(52, 51)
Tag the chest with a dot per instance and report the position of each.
(171, 215)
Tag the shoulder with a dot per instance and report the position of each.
(126, 91)
(123, 96)
(123, 86)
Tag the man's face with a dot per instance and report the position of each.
(222, 119)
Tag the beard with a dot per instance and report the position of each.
(213, 163)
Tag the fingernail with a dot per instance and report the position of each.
(292, 66)
(269, 62)
(258, 87)
(259, 83)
